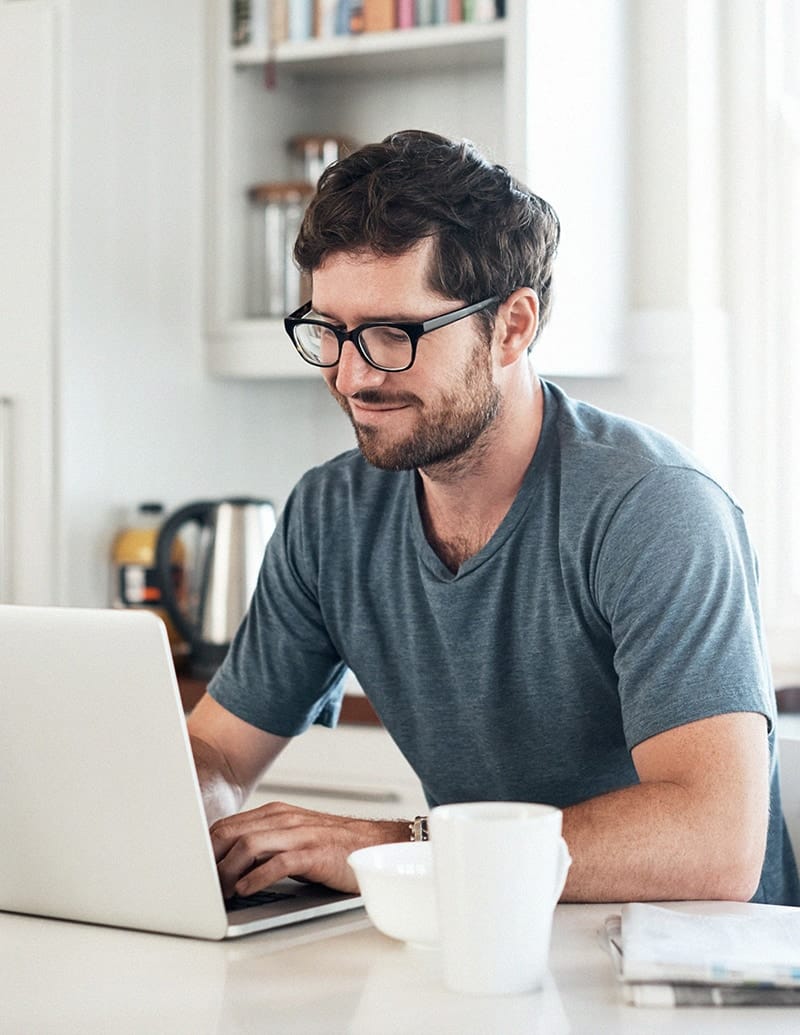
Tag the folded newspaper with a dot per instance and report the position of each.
(727, 956)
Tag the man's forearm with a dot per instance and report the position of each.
(222, 795)
(230, 756)
(655, 841)
(694, 827)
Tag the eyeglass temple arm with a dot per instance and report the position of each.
(459, 314)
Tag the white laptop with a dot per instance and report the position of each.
(100, 806)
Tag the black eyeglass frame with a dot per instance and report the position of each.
(413, 330)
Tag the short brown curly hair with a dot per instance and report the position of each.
(492, 235)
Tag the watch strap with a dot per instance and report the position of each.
(418, 829)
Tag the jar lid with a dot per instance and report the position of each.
(303, 143)
(269, 193)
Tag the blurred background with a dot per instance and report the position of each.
(156, 158)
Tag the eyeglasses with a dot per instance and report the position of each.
(386, 346)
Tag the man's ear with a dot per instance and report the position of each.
(516, 324)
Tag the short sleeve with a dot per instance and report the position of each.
(676, 580)
(282, 672)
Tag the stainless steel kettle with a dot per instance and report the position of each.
(224, 542)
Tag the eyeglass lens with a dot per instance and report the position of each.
(386, 346)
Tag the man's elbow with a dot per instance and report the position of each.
(739, 885)
(735, 869)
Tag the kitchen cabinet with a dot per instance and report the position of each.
(352, 770)
(27, 304)
(541, 90)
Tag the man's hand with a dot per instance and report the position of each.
(257, 848)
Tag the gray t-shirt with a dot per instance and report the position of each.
(617, 599)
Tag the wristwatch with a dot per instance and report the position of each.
(418, 829)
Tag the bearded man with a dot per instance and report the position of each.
(543, 601)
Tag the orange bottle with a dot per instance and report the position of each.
(134, 579)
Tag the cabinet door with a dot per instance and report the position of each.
(352, 770)
(27, 206)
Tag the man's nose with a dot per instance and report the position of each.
(354, 373)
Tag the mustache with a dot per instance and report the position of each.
(375, 397)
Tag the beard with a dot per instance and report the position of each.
(446, 429)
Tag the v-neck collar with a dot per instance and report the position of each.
(515, 513)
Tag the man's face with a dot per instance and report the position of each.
(434, 412)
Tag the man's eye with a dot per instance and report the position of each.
(387, 336)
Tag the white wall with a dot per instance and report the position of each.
(140, 418)
(677, 365)
(27, 246)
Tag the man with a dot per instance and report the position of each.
(543, 601)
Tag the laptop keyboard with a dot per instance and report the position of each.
(259, 898)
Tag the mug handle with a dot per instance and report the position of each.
(564, 863)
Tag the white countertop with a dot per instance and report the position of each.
(337, 975)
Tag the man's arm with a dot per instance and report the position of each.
(229, 754)
(254, 849)
(695, 827)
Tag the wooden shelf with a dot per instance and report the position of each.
(788, 698)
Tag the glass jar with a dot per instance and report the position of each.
(313, 153)
(275, 285)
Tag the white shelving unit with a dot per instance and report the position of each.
(541, 91)
(382, 52)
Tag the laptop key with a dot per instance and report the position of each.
(258, 898)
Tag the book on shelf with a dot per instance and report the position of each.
(379, 15)
(300, 20)
(278, 22)
(250, 23)
(263, 23)
(425, 12)
(479, 10)
(729, 956)
(337, 17)
(240, 22)
(406, 14)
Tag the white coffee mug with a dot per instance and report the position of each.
(500, 868)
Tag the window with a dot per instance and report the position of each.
(783, 112)
(762, 214)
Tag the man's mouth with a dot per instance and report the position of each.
(382, 401)
(366, 405)
(371, 416)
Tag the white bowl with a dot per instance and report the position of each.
(396, 883)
